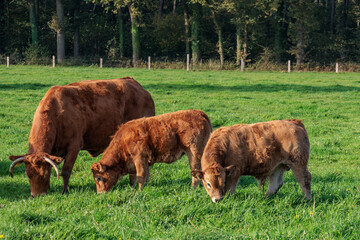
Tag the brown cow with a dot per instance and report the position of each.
(140, 143)
(79, 116)
(263, 150)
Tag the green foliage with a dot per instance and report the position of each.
(36, 54)
(169, 36)
(168, 208)
(307, 31)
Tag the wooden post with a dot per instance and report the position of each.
(187, 62)
(101, 62)
(337, 67)
(242, 65)
(53, 61)
(289, 66)
(149, 62)
(7, 62)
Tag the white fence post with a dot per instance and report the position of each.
(149, 62)
(187, 62)
(7, 62)
(242, 65)
(289, 66)
(101, 62)
(337, 67)
(53, 61)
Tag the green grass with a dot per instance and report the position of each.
(328, 104)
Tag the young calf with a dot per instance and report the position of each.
(263, 150)
(140, 143)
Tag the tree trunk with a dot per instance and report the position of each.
(238, 45)
(34, 24)
(332, 17)
(220, 41)
(300, 51)
(60, 36)
(76, 32)
(135, 35)
(195, 33)
(187, 28)
(245, 43)
(174, 7)
(121, 33)
(277, 46)
(161, 7)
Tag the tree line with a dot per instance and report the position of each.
(318, 31)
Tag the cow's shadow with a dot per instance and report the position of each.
(23, 86)
(322, 191)
(251, 87)
(14, 191)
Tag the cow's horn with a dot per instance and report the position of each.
(54, 165)
(17, 161)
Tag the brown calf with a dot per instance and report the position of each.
(140, 143)
(79, 116)
(263, 150)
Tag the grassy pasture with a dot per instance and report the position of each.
(328, 104)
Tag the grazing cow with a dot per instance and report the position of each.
(79, 116)
(263, 150)
(140, 143)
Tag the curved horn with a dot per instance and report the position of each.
(19, 160)
(54, 165)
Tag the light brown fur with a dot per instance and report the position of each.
(140, 143)
(263, 150)
(80, 116)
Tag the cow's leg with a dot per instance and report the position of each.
(67, 168)
(142, 173)
(132, 178)
(262, 181)
(232, 182)
(303, 176)
(195, 164)
(275, 181)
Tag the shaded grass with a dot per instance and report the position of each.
(327, 103)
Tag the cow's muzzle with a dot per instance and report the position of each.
(217, 199)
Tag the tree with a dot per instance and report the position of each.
(195, 31)
(187, 27)
(121, 33)
(135, 14)
(34, 21)
(245, 14)
(302, 24)
(135, 34)
(60, 33)
(76, 24)
(217, 9)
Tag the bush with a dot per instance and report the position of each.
(37, 54)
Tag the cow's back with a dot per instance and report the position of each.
(256, 148)
(164, 137)
(91, 110)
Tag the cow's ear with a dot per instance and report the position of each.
(13, 157)
(230, 170)
(97, 167)
(197, 174)
(56, 159)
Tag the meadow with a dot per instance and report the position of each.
(327, 103)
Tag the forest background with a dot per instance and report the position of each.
(265, 34)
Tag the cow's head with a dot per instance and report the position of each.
(214, 180)
(105, 177)
(38, 169)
